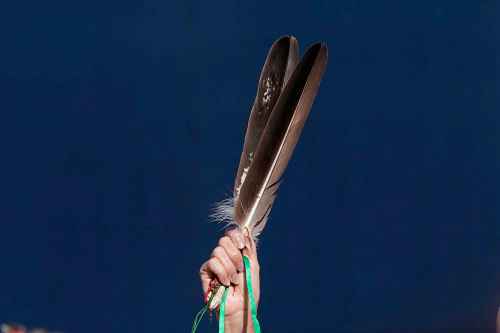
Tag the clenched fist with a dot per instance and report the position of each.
(226, 267)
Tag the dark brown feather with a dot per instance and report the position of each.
(278, 140)
(272, 134)
(281, 60)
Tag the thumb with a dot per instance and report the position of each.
(250, 249)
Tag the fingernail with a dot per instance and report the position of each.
(241, 243)
(248, 242)
(234, 279)
(207, 296)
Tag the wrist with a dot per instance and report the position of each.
(239, 323)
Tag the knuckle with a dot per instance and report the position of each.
(224, 240)
(230, 272)
(236, 258)
(231, 232)
(217, 252)
(223, 276)
(231, 268)
(213, 264)
(233, 242)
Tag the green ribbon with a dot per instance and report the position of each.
(253, 307)
(222, 307)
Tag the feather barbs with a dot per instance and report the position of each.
(285, 94)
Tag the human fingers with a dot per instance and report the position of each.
(237, 237)
(230, 269)
(250, 249)
(250, 252)
(206, 276)
(232, 251)
(211, 269)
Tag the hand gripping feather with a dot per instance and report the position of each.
(285, 93)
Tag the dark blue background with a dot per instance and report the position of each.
(122, 123)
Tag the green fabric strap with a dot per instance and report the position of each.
(253, 307)
(222, 307)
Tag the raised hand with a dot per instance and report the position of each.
(225, 266)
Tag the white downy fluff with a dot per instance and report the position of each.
(223, 212)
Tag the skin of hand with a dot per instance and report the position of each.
(498, 320)
(226, 266)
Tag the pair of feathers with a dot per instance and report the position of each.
(285, 93)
